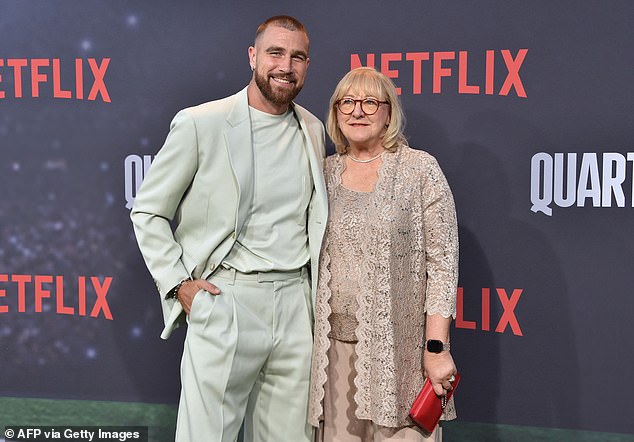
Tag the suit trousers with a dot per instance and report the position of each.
(246, 359)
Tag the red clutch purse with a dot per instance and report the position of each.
(428, 407)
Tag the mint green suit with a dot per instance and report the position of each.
(193, 201)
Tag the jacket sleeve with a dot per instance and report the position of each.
(158, 200)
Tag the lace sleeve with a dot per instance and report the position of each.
(441, 235)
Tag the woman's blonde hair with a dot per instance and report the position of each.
(373, 83)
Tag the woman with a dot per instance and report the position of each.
(388, 272)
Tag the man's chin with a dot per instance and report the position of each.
(283, 95)
(275, 92)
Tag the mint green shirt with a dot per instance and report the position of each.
(274, 236)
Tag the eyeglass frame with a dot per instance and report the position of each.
(361, 101)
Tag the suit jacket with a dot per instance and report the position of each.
(198, 191)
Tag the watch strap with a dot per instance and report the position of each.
(437, 346)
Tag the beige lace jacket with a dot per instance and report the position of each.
(411, 268)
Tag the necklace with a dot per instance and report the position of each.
(369, 160)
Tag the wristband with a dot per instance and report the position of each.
(174, 292)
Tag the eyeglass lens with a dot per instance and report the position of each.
(369, 106)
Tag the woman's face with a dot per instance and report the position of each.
(360, 129)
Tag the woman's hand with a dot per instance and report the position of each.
(440, 369)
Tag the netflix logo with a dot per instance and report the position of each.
(498, 71)
(83, 296)
(78, 79)
(507, 322)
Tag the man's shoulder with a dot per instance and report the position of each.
(214, 109)
(220, 106)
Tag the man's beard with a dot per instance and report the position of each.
(280, 96)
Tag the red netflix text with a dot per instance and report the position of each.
(507, 320)
(64, 79)
(85, 296)
(433, 67)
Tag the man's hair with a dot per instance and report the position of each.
(282, 21)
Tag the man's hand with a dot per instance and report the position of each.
(188, 289)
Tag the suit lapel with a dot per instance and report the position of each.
(240, 149)
(316, 163)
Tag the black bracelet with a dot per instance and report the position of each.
(174, 292)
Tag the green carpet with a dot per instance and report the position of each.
(161, 419)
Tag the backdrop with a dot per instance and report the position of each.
(526, 105)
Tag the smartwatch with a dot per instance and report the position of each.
(436, 346)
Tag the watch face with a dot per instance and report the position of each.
(434, 346)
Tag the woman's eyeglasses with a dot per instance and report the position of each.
(369, 106)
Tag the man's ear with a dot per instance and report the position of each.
(252, 53)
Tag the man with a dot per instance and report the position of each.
(241, 180)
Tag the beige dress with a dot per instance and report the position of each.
(347, 226)
(406, 266)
